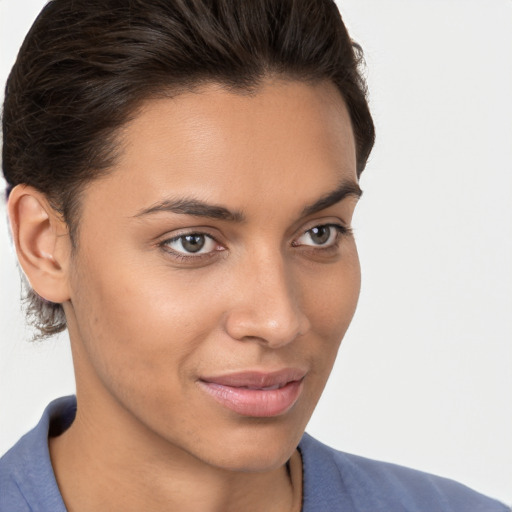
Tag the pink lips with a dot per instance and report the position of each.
(255, 393)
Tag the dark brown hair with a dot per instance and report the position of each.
(86, 65)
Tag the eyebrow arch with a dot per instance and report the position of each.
(346, 189)
(195, 208)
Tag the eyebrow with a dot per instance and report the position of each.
(194, 208)
(197, 208)
(346, 189)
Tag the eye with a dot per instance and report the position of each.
(321, 236)
(191, 243)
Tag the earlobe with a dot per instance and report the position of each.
(43, 251)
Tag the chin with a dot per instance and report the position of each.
(258, 447)
(260, 460)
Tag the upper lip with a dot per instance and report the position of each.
(257, 379)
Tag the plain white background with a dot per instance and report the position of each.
(424, 376)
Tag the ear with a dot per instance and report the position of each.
(42, 242)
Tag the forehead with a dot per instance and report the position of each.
(283, 141)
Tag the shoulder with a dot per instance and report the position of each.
(27, 481)
(335, 480)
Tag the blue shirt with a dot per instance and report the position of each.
(333, 480)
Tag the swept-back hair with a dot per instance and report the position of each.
(87, 65)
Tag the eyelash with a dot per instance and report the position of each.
(341, 232)
(191, 257)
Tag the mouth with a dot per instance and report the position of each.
(256, 394)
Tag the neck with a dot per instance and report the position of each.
(104, 466)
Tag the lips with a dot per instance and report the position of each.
(256, 394)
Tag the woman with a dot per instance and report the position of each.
(181, 179)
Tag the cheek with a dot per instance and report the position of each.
(331, 310)
(138, 327)
(334, 300)
(139, 341)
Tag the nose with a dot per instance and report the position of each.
(266, 306)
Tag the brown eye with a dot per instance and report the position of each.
(321, 236)
(193, 243)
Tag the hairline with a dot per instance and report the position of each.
(192, 86)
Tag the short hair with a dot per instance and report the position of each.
(85, 67)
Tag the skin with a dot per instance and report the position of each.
(147, 320)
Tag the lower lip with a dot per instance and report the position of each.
(255, 402)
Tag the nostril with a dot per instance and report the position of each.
(268, 308)
(272, 328)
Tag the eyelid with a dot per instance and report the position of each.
(335, 222)
(165, 242)
(341, 231)
(187, 231)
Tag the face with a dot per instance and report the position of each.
(216, 273)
